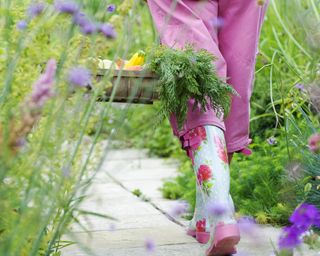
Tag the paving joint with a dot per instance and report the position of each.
(168, 216)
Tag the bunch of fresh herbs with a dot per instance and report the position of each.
(188, 74)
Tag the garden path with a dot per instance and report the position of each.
(144, 218)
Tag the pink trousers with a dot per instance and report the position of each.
(230, 30)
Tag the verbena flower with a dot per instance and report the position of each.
(22, 25)
(79, 76)
(35, 9)
(111, 8)
(107, 30)
(179, 208)
(272, 141)
(216, 208)
(112, 227)
(80, 19)
(300, 87)
(69, 7)
(289, 238)
(247, 224)
(314, 142)
(42, 89)
(302, 219)
(87, 27)
(304, 216)
(150, 245)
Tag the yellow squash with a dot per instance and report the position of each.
(136, 60)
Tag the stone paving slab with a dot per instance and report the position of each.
(160, 250)
(134, 237)
(111, 193)
(130, 222)
(139, 174)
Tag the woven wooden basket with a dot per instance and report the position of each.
(130, 86)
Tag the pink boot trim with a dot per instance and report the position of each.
(191, 232)
(203, 237)
(225, 239)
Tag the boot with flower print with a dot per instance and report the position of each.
(206, 147)
(199, 227)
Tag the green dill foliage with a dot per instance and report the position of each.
(185, 74)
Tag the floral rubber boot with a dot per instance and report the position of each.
(205, 145)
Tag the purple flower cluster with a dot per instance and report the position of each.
(217, 208)
(35, 9)
(22, 25)
(69, 7)
(42, 89)
(79, 76)
(107, 30)
(179, 209)
(302, 219)
(86, 25)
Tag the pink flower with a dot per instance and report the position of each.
(221, 150)
(201, 225)
(204, 173)
(314, 142)
(201, 132)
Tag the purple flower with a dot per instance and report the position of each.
(300, 87)
(79, 76)
(69, 7)
(317, 220)
(217, 208)
(35, 9)
(107, 30)
(289, 238)
(218, 22)
(22, 25)
(87, 27)
(314, 143)
(80, 19)
(193, 59)
(304, 216)
(111, 8)
(42, 89)
(272, 141)
(149, 244)
(247, 225)
(179, 208)
(112, 227)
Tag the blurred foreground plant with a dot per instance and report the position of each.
(47, 161)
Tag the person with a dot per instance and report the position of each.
(230, 30)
